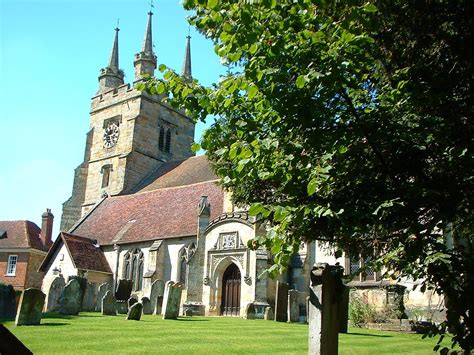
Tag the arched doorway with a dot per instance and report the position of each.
(230, 305)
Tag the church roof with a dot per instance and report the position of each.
(84, 252)
(178, 173)
(167, 212)
(21, 234)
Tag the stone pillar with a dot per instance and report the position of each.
(343, 310)
(325, 293)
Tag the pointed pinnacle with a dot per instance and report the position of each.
(114, 61)
(148, 41)
(186, 71)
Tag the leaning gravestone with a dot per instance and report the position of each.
(157, 290)
(7, 302)
(103, 288)
(131, 301)
(145, 301)
(89, 299)
(269, 315)
(54, 293)
(82, 283)
(109, 307)
(281, 302)
(123, 290)
(171, 300)
(249, 311)
(135, 311)
(293, 306)
(122, 307)
(71, 298)
(30, 307)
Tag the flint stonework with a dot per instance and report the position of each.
(54, 293)
(123, 290)
(7, 302)
(281, 302)
(135, 311)
(293, 306)
(71, 298)
(171, 300)
(31, 307)
(249, 311)
(145, 301)
(103, 288)
(109, 306)
(269, 315)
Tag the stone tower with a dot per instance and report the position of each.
(131, 134)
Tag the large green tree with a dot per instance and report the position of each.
(348, 122)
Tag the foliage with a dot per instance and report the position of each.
(93, 333)
(361, 312)
(347, 122)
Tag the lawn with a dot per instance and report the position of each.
(92, 332)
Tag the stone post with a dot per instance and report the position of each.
(325, 293)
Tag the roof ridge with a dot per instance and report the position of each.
(165, 188)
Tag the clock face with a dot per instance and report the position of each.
(111, 135)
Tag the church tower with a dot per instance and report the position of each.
(131, 133)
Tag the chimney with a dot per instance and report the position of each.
(47, 227)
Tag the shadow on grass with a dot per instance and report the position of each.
(52, 324)
(371, 335)
(56, 316)
(192, 320)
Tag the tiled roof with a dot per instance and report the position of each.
(150, 215)
(22, 234)
(180, 173)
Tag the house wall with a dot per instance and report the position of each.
(17, 281)
(60, 260)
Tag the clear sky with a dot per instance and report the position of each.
(50, 55)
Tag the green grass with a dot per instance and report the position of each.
(93, 333)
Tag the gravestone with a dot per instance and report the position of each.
(131, 301)
(108, 306)
(122, 307)
(145, 301)
(159, 306)
(281, 302)
(82, 283)
(123, 290)
(54, 293)
(269, 315)
(71, 298)
(135, 311)
(343, 310)
(249, 311)
(90, 297)
(103, 288)
(30, 307)
(7, 302)
(325, 294)
(171, 300)
(157, 290)
(293, 306)
(188, 312)
(10, 344)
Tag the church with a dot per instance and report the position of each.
(144, 208)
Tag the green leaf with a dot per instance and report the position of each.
(300, 81)
(212, 3)
(370, 8)
(195, 147)
(252, 91)
(311, 188)
(162, 68)
(255, 209)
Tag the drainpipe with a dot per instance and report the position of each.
(117, 259)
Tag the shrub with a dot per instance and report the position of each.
(361, 312)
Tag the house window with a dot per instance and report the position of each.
(106, 169)
(133, 268)
(161, 139)
(11, 267)
(356, 265)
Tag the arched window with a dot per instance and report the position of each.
(133, 268)
(183, 270)
(168, 141)
(161, 139)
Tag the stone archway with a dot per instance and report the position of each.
(230, 300)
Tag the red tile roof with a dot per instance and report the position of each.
(159, 214)
(22, 234)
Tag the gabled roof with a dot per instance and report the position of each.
(178, 173)
(150, 215)
(84, 252)
(22, 234)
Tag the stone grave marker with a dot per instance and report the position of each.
(54, 293)
(145, 301)
(109, 307)
(171, 300)
(103, 288)
(7, 302)
(343, 310)
(249, 311)
(269, 315)
(157, 290)
(123, 290)
(188, 312)
(135, 311)
(71, 298)
(82, 284)
(122, 307)
(131, 301)
(293, 306)
(159, 306)
(90, 297)
(31, 307)
(281, 302)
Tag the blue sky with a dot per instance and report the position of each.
(50, 55)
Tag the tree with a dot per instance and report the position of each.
(348, 122)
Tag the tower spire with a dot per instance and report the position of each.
(186, 71)
(111, 76)
(145, 61)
